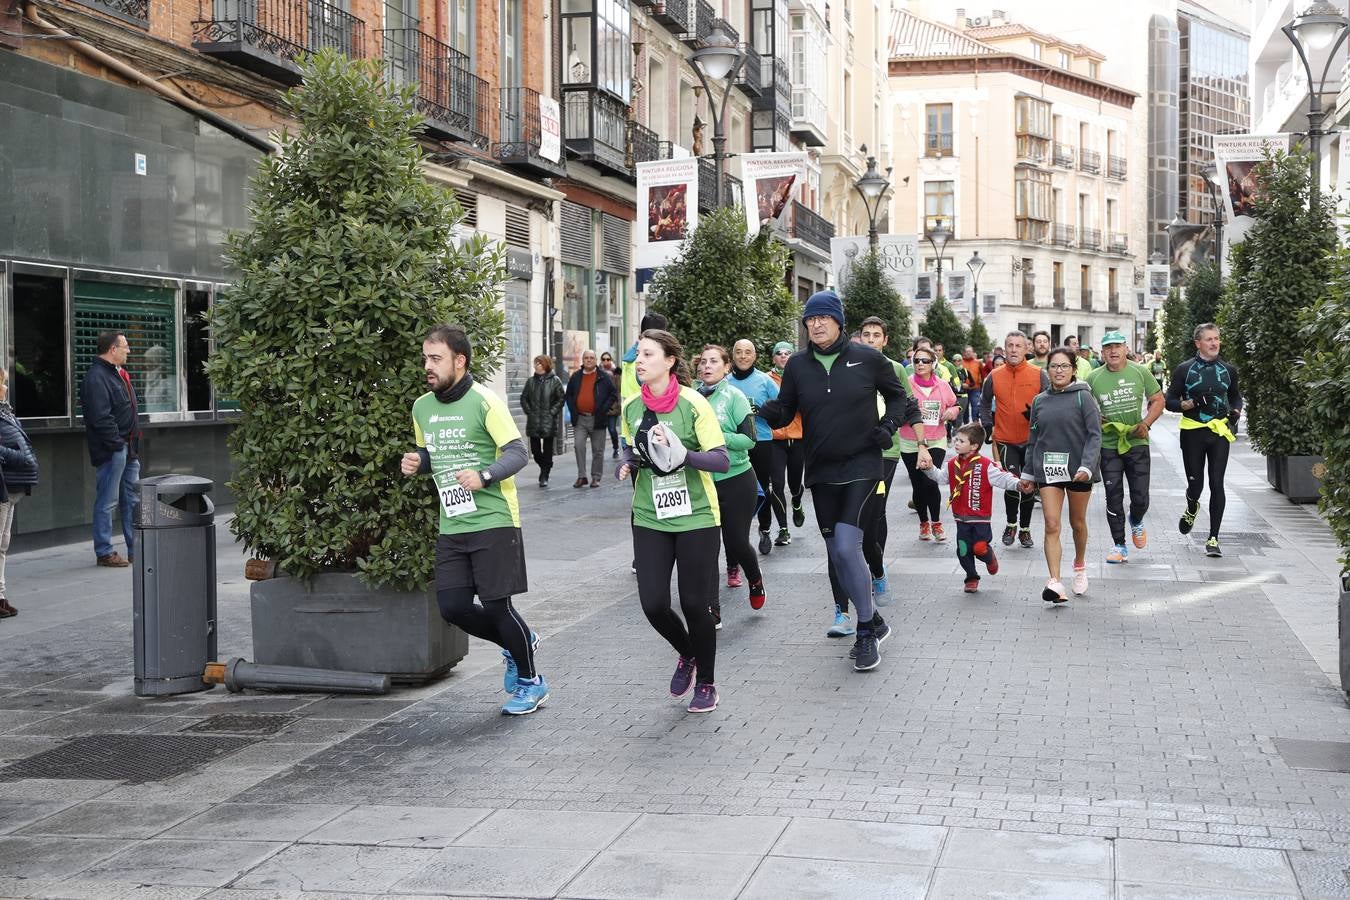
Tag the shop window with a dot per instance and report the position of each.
(40, 383)
(145, 314)
(196, 348)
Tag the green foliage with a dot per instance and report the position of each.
(722, 288)
(1176, 338)
(1203, 291)
(1325, 381)
(348, 262)
(1281, 272)
(978, 336)
(868, 292)
(941, 326)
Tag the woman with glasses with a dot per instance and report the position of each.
(612, 418)
(937, 406)
(1062, 459)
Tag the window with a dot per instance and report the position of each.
(576, 298)
(40, 380)
(147, 314)
(196, 347)
(1032, 117)
(939, 202)
(1064, 60)
(1112, 210)
(1036, 50)
(1033, 194)
(596, 45)
(462, 26)
(510, 28)
(1094, 69)
(938, 135)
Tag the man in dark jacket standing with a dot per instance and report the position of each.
(590, 393)
(108, 403)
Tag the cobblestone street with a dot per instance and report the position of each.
(1176, 733)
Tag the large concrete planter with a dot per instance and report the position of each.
(1275, 472)
(340, 623)
(1301, 478)
(1343, 630)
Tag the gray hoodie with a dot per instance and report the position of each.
(1066, 425)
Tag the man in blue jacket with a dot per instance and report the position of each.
(108, 403)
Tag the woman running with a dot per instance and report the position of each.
(672, 445)
(1204, 389)
(736, 488)
(1063, 451)
(938, 406)
(789, 457)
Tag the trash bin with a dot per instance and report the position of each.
(174, 585)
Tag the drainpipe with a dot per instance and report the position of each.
(176, 97)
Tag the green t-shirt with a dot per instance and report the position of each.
(1122, 396)
(468, 434)
(826, 359)
(1039, 363)
(686, 500)
(894, 451)
(731, 406)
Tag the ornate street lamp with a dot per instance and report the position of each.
(937, 238)
(1321, 27)
(976, 266)
(719, 59)
(872, 187)
(1211, 173)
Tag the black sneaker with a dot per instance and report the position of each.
(1187, 521)
(1212, 547)
(784, 538)
(1024, 538)
(1009, 535)
(867, 655)
(716, 617)
(880, 629)
(765, 543)
(798, 514)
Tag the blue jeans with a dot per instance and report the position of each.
(116, 489)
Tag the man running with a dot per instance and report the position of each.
(467, 441)
(834, 383)
(1040, 346)
(759, 388)
(1005, 404)
(1130, 401)
(875, 335)
(1204, 389)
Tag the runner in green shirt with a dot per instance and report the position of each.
(1131, 401)
(673, 445)
(467, 441)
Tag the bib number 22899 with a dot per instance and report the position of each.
(670, 496)
(455, 500)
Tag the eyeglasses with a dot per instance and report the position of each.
(782, 353)
(1061, 366)
(922, 362)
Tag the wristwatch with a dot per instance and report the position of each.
(486, 477)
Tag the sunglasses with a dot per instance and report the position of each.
(922, 362)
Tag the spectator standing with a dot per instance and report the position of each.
(108, 403)
(542, 401)
(590, 394)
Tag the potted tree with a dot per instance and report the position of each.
(351, 257)
(867, 291)
(1278, 272)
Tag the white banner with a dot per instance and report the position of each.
(1159, 282)
(550, 129)
(772, 181)
(1343, 186)
(1237, 156)
(898, 254)
(668, 190)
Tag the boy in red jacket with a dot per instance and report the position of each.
(975, 480)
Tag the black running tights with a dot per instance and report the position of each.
(927, 494)
(874, 535)
(771, 481)
(495, 621)
(789, 459)
(1202, 450)
(694, 555)
(736, 497)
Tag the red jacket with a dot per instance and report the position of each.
(974, 481)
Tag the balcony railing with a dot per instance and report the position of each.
(1063, 155)
(448, 93)
(134, 12)
(1116, 167)
(1089, 161)
(707, 184)
(674, 14)
(750, 80)
(1061, 235)
(1059, 298)
(595, 127)
(1090, 238)
(701, 28)
(522, 134)
(266, 36)
(646, 143)
(811, 228)
(1118, 243)
(1085, 298)
(938, 143)
(808, 116)
(1113, 302)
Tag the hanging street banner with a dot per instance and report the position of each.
(1159, 282)
(771, 182)
(550, 129)
(1237, 156)
(898, 254)
(668, 190)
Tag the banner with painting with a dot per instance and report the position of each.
(771, 182)
(1237, 156)
(667, 194)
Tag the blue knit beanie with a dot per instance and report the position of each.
(824, 303)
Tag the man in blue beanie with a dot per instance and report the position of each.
(834, 384)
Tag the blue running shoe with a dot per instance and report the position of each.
(843, 625)
(881, 590)
(526, 698)
(512, 673)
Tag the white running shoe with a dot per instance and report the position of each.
(1080, 580)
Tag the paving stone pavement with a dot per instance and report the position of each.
(1126, 744)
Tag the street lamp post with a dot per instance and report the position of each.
(1212, 180)
(937, 238)
(718, 59)
(872, 187)
(1319, 27)
(976, 266)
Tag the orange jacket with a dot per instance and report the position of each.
(792, 431)
(1012, 389)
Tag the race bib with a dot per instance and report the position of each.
(1055, 467)
(455, 500)
(931, 411)
(670, 496)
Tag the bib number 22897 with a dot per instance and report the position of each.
(670, 496)
(455, 500)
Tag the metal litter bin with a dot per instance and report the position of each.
(174, 584)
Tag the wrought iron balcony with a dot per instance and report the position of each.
(707, 185)
(1059, 298)
(811, 227)
(1113, 302)
(674, 14)
(522, 135)
(1089, 161)
(645, 142)
(449, 95)
(133, 12)
(1061, 235)
(1063, 155)
(266, 36)
(1116, 167)
(750, 79)
(1090, 238)
(595, 127)
(1085, 298)
(1118, 243)
(701, 28)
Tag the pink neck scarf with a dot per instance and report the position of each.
(664, 403)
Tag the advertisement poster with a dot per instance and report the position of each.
(1190, 244)
(668, 190)
(771, 182)
(1237, 156)
(898, 254)
(550, 129)
(1159, 282)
